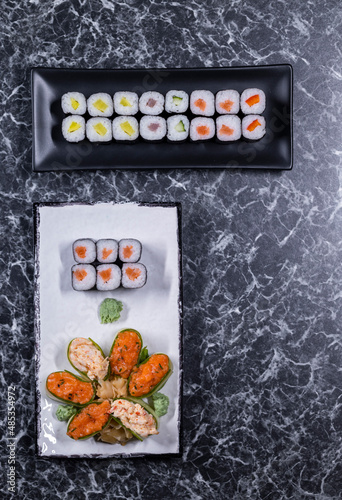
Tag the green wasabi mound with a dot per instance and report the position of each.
(63, 413)
(110, 310)
(160, 403)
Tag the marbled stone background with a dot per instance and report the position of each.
(262, 414)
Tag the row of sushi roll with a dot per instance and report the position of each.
(107, 264)
(201, 102)
(177, 128)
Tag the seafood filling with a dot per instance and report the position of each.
(134, 417)
(86, 358)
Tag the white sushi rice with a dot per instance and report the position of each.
(200, 125)
(83, 277)
(202, 102)
(151, 103)
(133, 275)
(152, 128)
(258, 131)
(100, 104)
(74, 103)
(84, 251)
(177, 128)
(126, 103)
(129, 250)
(125, 128)
(176, 101)
(255, 109)
(99, 130)
(227, 102)
(73, 128)
(228, 128)
(107, 251)
(108, 277)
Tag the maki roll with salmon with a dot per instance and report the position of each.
(176, 101)
(108, 277)
(84, 251)
(227, 102)
(152, 128)
(129, 250)
(253, 101)
(202, 129)
(228, 128)
(253, 127)
(68, 388)
(136, 416)
(74, 103)
(73, 128)
(100, 104)
(83, 277)
(133, 275)
(88, 359)
(90, 420)
(125, 352)
(151, 103)
(126, 103)
(107, 251)
(177, 128)
(150, 376)
(125, 128)
(202, 102)
(99, 130)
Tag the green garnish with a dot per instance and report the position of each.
(180, 127)
(160, 403)
(143, 355)
(65, 412)
(110, 310)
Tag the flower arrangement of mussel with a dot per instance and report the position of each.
(107, 397)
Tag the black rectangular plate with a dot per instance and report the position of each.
(52, 153)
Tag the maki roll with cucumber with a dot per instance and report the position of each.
(177, 128)
(88, 359)
(125, 352)
(176, 101)
(150, 376)
(136, 416)
(66, 387)
(89, 421)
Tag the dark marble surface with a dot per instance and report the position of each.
(262, 414)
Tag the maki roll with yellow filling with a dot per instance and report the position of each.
(74, 103)
(99, 130)
(73, 128)
(100, 104)
(125, 128)
(126, 103)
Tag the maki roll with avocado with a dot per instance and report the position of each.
(74, 103)
(83, 277)
(126, 103)
(176, 101)
(151, 103)
(68, 388)
(136, 416)
(88, 359)
(73, 128)
(99, 130)
(89, 421)
(152, 128)
(125, 128)
(150, 376)
(125, 352)
(177, 128)
(133, 275)
(100, 104)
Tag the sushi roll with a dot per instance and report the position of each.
(202, 129)
(100, 104)
(152, 128)
(151, 103)
(83, 277)
(84, 251)
(228, 128)
(133, 275)
(108, 277)
(176, 101)
(253, 127)
(227, 102)
(253, 101)
(125, 128)
(99, 130)
(129, 250)
(202, 102)
(126, 103)
(107, 251)
(177, 128)
(73, 128)
(74, 103)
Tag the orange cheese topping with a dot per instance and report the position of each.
(125, 353)
(254, 99)
(203, 130)
(127, 251)
(91, 419)
(66, 386)
(106, 253)
(148, 375)
(201, 104)
(226, 105)
(252, 126)
(80, 274)
(225, 130)
(106, 274)
(81, 251)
